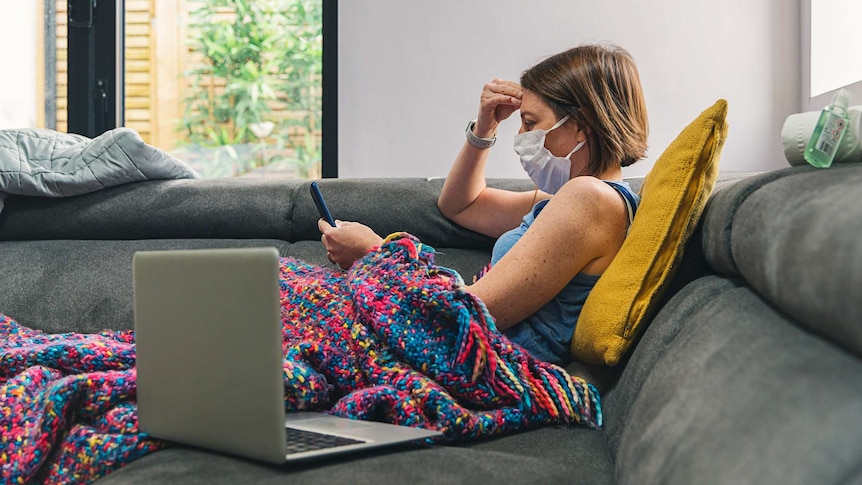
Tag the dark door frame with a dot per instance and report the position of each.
(329, 123)
(96, 44)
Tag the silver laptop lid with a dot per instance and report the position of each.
(209, 349)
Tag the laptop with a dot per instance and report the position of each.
(209, 354)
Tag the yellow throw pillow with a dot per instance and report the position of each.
(673, 196)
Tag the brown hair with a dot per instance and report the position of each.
(599, 86)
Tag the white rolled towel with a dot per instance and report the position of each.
(798, 128)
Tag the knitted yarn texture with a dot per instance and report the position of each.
(393, 339)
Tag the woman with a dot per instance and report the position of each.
(583, 118)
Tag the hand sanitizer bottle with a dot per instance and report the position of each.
(828, 132)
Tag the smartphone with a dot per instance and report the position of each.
(321, 205)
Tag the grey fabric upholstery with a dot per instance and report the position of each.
(717, 219)
(175, 209)
(807, 216)
(239, 208)
(86, 286)
(749, 372)
(82, 286)
(730, 380)
(548, 456)
(726, 384)
(794, 235)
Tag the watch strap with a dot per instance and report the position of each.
(476, 141)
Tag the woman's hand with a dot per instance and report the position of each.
(498, 101)
(347, 241)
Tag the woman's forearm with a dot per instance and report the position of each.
(465, 181)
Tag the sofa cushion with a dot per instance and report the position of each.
(82, 286)
(86, 286)
(718, 218)
(673, 197)
(796, 240)
(723, 388)
(548, 456)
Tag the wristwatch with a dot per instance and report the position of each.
(475, 140)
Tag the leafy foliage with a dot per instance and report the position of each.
(258, 79)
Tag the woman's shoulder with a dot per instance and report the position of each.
(589, 193)
(588, 206)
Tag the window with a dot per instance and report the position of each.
(21, 90)
(831, 57)
(233, 87)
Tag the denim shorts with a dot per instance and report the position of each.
(538, 346)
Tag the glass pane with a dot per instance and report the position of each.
(25, 37)
(835, 60)
(233, 87)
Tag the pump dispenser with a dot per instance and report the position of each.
(828, 132)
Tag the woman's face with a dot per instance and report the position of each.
(537, 114)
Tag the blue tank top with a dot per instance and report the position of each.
(547, 333)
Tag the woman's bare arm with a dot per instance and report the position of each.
(469, 202)
(465, 198)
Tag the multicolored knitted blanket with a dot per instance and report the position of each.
(393, 339)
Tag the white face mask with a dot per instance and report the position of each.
(549, 172)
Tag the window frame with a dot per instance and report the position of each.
(95, 59)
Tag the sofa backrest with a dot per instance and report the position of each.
(795, 235)
(240, 208)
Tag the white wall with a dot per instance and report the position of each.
(18, 37)
(410, 73)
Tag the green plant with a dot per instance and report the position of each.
(307, 157)
(260, 66)
(301, 83)
(300, 62)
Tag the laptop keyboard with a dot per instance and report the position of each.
(299, 441)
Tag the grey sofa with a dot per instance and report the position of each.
(751, 372)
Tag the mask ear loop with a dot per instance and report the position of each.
(578, 147)
(559, 123)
